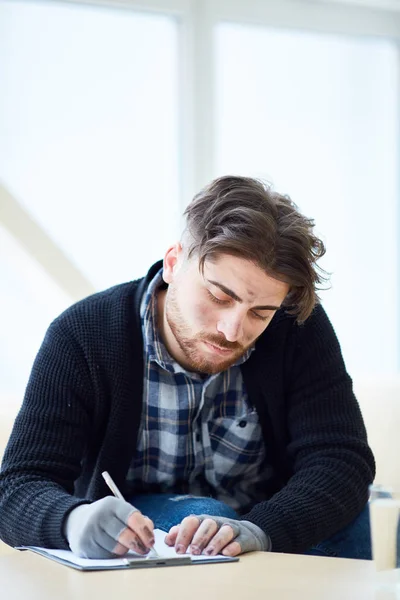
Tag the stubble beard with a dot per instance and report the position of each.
(191, 346)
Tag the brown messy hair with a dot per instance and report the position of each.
(244, 217)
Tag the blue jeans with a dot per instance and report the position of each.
(354, 541)
(166, 510)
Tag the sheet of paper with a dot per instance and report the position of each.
(161, 547)
(67, 555)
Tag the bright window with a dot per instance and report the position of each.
(317, 115)
(89, 147)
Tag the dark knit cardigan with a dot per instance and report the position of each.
(82, 408)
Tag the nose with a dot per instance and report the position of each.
(231, 326)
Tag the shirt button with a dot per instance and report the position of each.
(242, 423)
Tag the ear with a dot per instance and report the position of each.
(172, 261)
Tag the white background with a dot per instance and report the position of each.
(113, 116)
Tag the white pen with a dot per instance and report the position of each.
(111, 484)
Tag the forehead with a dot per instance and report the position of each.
(244, 277)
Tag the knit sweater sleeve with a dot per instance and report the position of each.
(331, 462)
(43, 456)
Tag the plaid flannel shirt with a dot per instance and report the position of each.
(198, 435)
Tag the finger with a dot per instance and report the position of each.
(129, 539)
(120, 549)
(232, 549)
(207, 530)
(220, 540)
(171, 536)
(143, 527)
(148, 530)
(187, 529)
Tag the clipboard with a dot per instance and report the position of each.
(167, 558)
(111, 564)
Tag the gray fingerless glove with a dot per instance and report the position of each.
(248, 535)
(92, 530)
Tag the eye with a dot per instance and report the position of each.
(259, 317)
(215, 299)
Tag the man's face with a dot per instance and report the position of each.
(208, 321)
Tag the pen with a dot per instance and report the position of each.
(111, 484)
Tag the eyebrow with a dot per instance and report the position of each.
(232, 294)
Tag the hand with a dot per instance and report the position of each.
(107, 528)
(203, 534)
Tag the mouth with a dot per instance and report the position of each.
(218, 349)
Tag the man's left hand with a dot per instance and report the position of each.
(204, 534)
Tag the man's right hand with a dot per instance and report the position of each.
(107, 528)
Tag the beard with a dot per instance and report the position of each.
(194, 351)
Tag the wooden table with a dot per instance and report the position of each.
(257, 576)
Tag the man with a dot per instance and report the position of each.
(213, 391)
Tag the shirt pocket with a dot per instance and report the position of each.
(236, 441)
